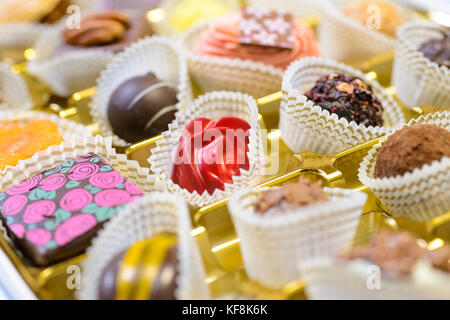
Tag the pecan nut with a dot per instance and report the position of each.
(98, 29)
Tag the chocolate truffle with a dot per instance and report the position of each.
(348, 97)
(438, 50)
(290, 196)
(111, 31)
(396, 253)
(127, 275)
(54, 215)
(411, 148)
(142, 107)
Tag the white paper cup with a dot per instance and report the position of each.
(418, 80)
(344, 39)
(150, 215)
(156, 54)
(305, 126)
(420, 195)
(213, 105)
(272, 246)
(330, 279)
(231, 74)
(77, 146)
(14, 93)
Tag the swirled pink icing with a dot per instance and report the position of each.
(106, 180)
(53, 182)
(221, 39)
(75, 200)
(112, 197)
(18, 230)
(74, 227)
(14, 205)
(131, 188)
(25, 185)
(83, 171)
(39, 236)
(36, 211)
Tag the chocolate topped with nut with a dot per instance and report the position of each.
(396, 253)
(98, 29)
(438, 50)
(348, 97)
(290, 196)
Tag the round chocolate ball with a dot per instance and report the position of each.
(142, 107)
(411, 148)
(161, 287)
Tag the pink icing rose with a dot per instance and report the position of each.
(18, 230)
(112, 197)
(75, 200)
(83, 171)
(81, 159)
(106, 180)
(53, 182)
(74, 227)
(14, 205)
(38, 210)
(24, 186)
(131, 188)
(39, 236)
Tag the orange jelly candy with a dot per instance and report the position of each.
(19, 141)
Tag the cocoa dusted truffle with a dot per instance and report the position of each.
(348, 97)
(411, 148)
(290, 196)
(396, 253)
(438, 50)
(142, 107)
(129, 276)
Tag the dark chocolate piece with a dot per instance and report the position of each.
(55, 214)
(411, 148)
(438, 50)
(348, 97)
(142, 107)
(162, 288)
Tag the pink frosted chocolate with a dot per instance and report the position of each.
(55, 214)
(222, 39)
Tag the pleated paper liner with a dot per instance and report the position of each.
(330, 279)
(271, 246)
(305, 126)
(420, 195)
(155, 54)
(217, 73)
(344, 39)
(213, 105)
(73, 148)
(418, 80)
(148, 216)
(67, 73)
(14, 93)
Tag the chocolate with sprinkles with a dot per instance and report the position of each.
(348, 97)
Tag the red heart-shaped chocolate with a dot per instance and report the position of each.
(210, 153)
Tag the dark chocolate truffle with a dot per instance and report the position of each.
(159, 252)
(348, 97)
(438, 50)
(411, 148)
(142, 107)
